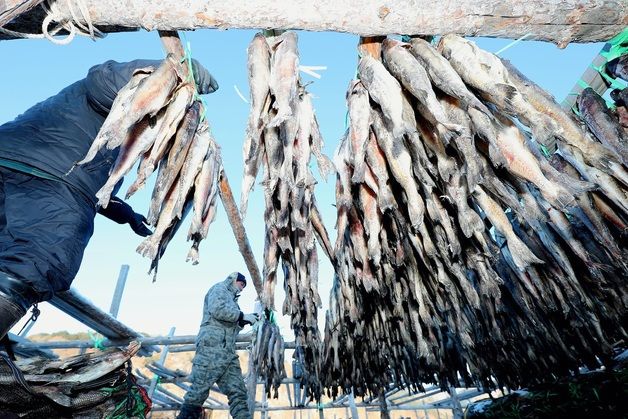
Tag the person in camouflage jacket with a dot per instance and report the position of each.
(215, 360)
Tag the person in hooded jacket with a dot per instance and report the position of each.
(47, 211)
(216, 360)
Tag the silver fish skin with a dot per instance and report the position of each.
(302, 145)
(359, 126)
(443, 76)
(138, 142)
(521, 254)
(385, 90)
(170, 165)
(259, 58)
(193, 163)
(601, 123)
(209, 211)
(522, 163)
(274, 156)
(205, 184)
(400, 165)
(469, 221)
(376, 160)
(172, 117)
(284, 76)
(483, 126)
(150, 246)
(324, 163)
(570, 131)
(402, 64)
(152, 93)
(485, 72)
(446, 165)
(118, 109)
(372, 222)
(464, 142)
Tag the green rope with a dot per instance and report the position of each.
(96, 340)
(618, 46)
(187, 57)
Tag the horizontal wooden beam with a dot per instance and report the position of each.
(558, 21)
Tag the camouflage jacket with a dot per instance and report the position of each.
(221, 313)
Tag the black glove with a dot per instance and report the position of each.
(245, 319)
(138, 223)
(204, 81)
(122, 213)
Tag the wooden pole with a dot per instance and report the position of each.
(226, 195)
(558, 21)
(10, 9)
(371, 45)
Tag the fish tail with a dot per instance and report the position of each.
(359, 170)
(564, 198)
(148, 248)
(416, 211)
(446, 169)
(282, 115)
(470, 222)
(619, 172)
(193, 255)
(135, 186)
(521, 254)
(544, 131)
(325, 166)
(104, 195)
(385, 200)
(496, 157)
(474, 102)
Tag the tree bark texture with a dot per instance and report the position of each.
(558, 21)
(10, 9)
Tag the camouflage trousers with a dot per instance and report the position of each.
(213, 363)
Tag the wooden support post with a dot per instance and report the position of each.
(117, 294)
(10, 9)
(226, 195)
(371, 45)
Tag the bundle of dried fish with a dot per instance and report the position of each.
(157, 120)
(463, 251)
(281, 136)
(268, 355)
(88, 385)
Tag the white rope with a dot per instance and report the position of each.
(240, 94)
(74, 25)
(309, 69)
(513, 43)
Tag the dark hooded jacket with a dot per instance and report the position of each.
(56, 133)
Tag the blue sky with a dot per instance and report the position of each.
(33, 70)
